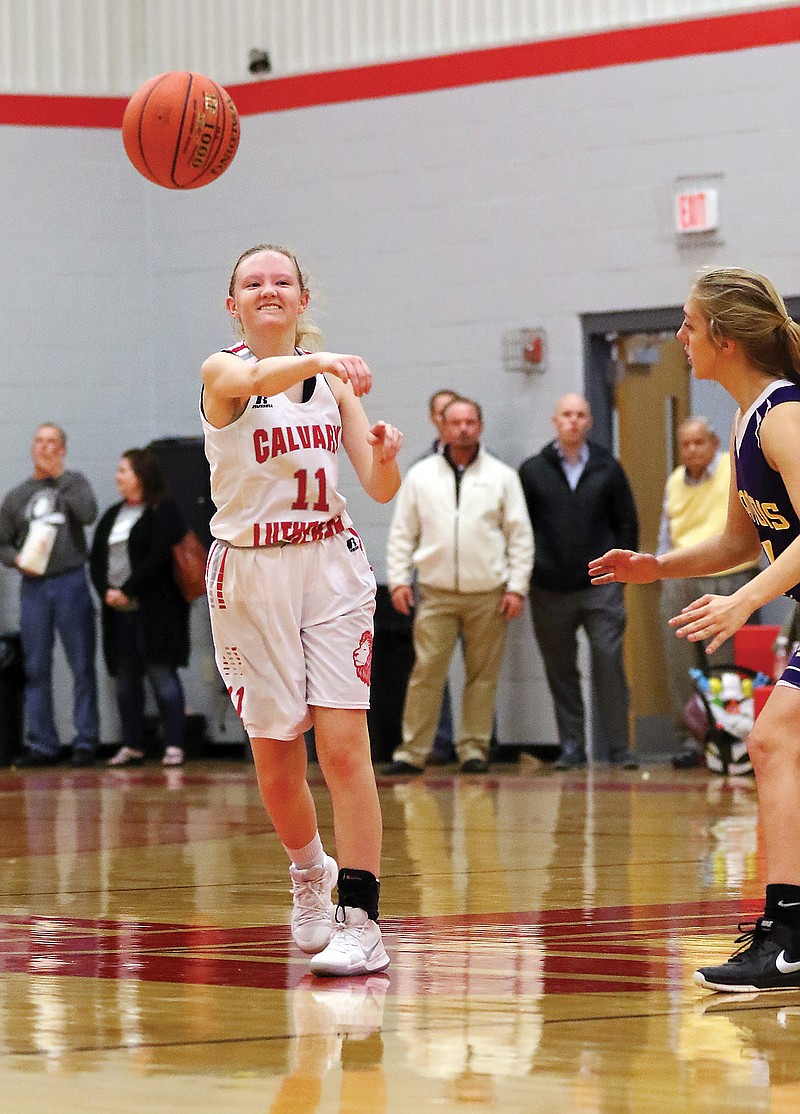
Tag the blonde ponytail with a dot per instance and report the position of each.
(744, 306)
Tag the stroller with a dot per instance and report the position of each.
(720, 716)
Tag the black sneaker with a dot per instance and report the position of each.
(474, 766)
(30, 759)
(83, 758)
(762, 962)
(690, 758)
(625, 760)
(570, 759)
(399, 768)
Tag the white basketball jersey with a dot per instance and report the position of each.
(275, 470)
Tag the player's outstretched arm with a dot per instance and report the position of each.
(226, 376)
(372, 449)
(624, 566)
(714, 619)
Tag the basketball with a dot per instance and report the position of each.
(181, 130)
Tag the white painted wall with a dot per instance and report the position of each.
(429, 224)
(112, 46)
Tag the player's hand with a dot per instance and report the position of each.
(624, 566)
(511, 605)
(403, 599)
(711, 617)
(350, 369)
(385, 440)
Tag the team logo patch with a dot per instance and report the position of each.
(231, 661)
(362, 657)
(353, 544)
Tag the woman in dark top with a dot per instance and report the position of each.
(145, 619)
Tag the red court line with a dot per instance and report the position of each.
(562, 951)
(688, 38)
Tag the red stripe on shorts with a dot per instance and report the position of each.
(218, 585)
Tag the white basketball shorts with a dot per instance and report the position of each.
(292, 628)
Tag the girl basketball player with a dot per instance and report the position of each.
(292, 594)
(736, 331)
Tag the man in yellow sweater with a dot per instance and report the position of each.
(695, 507)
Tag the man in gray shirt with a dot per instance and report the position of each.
(42, 535)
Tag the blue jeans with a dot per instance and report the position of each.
(132, 668)
(62, 605)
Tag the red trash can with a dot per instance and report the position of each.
(760, 696)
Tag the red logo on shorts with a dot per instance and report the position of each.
(362, 657)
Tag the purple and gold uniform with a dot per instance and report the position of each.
(762, 491)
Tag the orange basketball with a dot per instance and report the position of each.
(181, 130)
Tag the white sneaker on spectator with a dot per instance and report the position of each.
(173, 756)
(126, 756)
(312, 908)
(356, 946)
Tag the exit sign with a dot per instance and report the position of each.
(697, 211)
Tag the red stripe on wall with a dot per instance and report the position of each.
(62, 112)
(714, 35)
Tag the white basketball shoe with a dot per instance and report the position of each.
(312, 908)
(355, 948)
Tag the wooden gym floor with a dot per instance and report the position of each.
(543, 928)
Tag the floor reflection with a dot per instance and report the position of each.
(543, 930)
(338, 1026)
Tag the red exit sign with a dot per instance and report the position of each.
(697, 211)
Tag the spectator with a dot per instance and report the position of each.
(695, 508)
(437, 404)
(145, 619)
(460, 523)
(42, 534)
(443, 751)
(578, 498)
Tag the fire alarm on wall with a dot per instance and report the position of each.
(524, 350)
(534, 350)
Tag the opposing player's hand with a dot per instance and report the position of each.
(386, 440)
(711, 617)
(624, 566)
(350, 369)
(403, 599)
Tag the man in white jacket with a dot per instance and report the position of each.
(462, 523)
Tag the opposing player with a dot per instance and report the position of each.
(292, 595)
(736, 331)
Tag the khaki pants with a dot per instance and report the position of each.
(442, 618)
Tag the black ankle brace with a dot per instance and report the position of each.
(361, 889)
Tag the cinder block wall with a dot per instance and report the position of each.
(430, 224)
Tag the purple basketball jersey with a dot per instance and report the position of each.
(761, 489)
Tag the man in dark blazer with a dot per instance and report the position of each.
(580, 504)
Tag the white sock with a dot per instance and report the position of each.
(305, 858)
